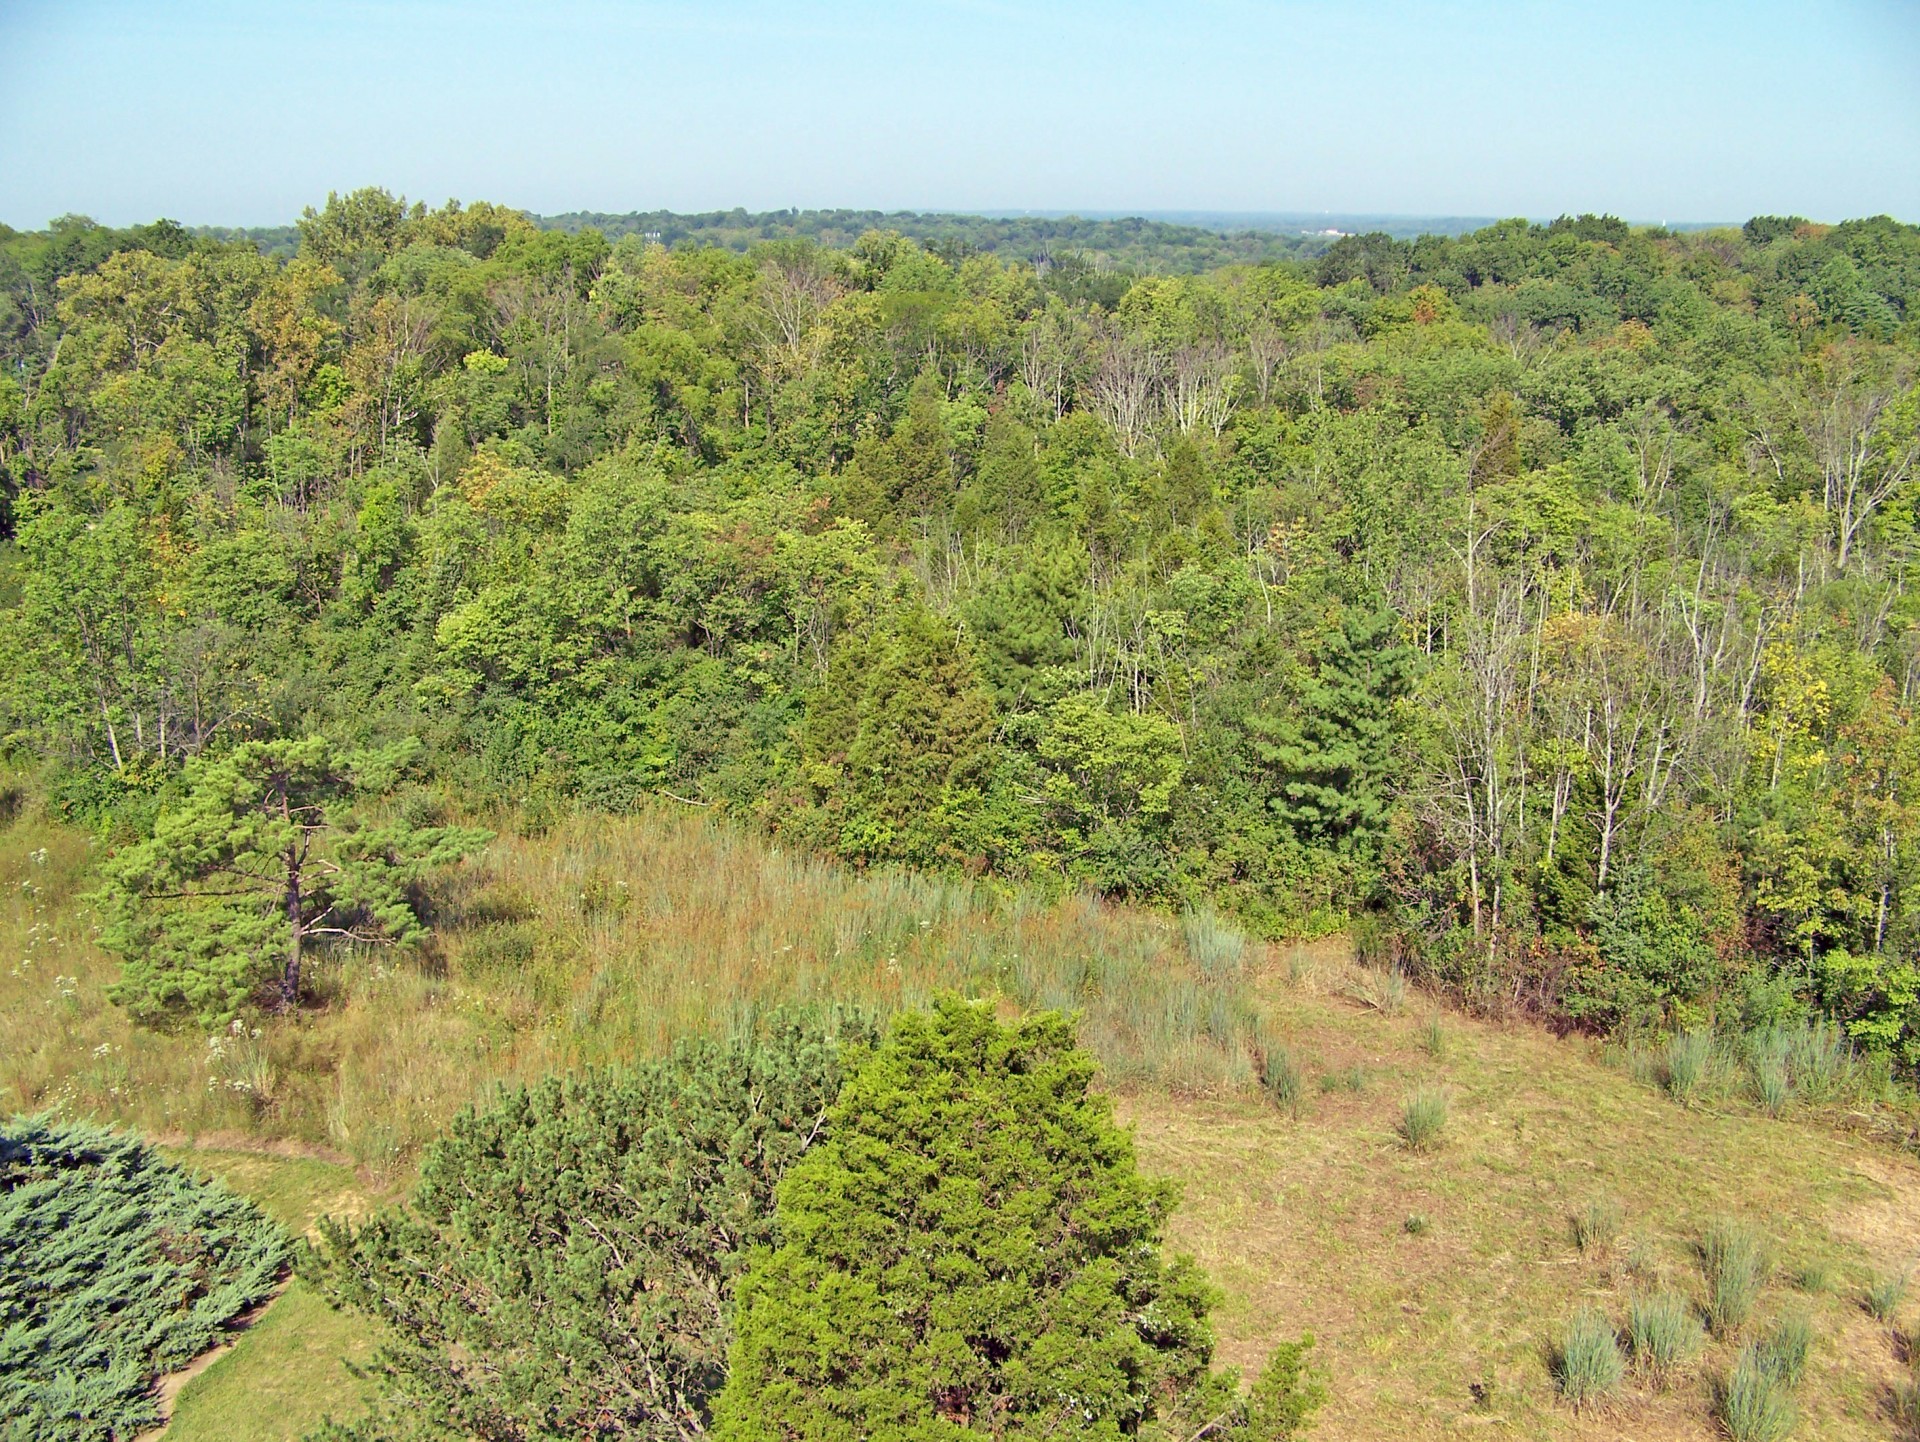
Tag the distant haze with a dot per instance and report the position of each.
(241, 112)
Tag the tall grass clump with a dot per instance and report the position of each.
(1433, 1037)
(1769, 1063)
(1587, 1365)
(1820, 1058)
(1753, 1403)
(1884, 1294)
(1280, 1077)
(1595, 1225)
(1381, 988)
(1217, 947)
(1784, 1351)
(1423, 1119)
(1664, 1333)
(1684, 1063)
(1733, 1255)
(1906, 1406)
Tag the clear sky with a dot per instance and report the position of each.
(242, 111)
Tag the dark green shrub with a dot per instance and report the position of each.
(567, 1261)
(115, 1267)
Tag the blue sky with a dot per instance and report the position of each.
(224, 111)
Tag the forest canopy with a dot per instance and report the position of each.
(1537, 595)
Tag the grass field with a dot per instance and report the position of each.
(1445, 1330)
(1437, 1279)
(600, 941)
(287, 1371)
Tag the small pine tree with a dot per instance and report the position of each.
(265, 854)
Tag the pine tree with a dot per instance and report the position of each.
(566, 1265)
(265, 854)
(1332, 758)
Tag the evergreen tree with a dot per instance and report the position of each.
(115, 1268)
(1025, 624)
(972, 1250)
(263, 855)
(897, 743)
(566, 1265)
(1332, 757)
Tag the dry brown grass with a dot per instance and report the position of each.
(1302, 1222)
(599, 942)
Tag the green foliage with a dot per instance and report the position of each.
(1587, 1363)
(1108, 779)
(1332, 752)
(568, 1259)
(896, 745)
(263, 854)
(971, 1248)
(119, 1268)
(1499, 588)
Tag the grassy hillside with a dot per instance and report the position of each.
(1437, 1281)
(603, 939)
(1427, 1276)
